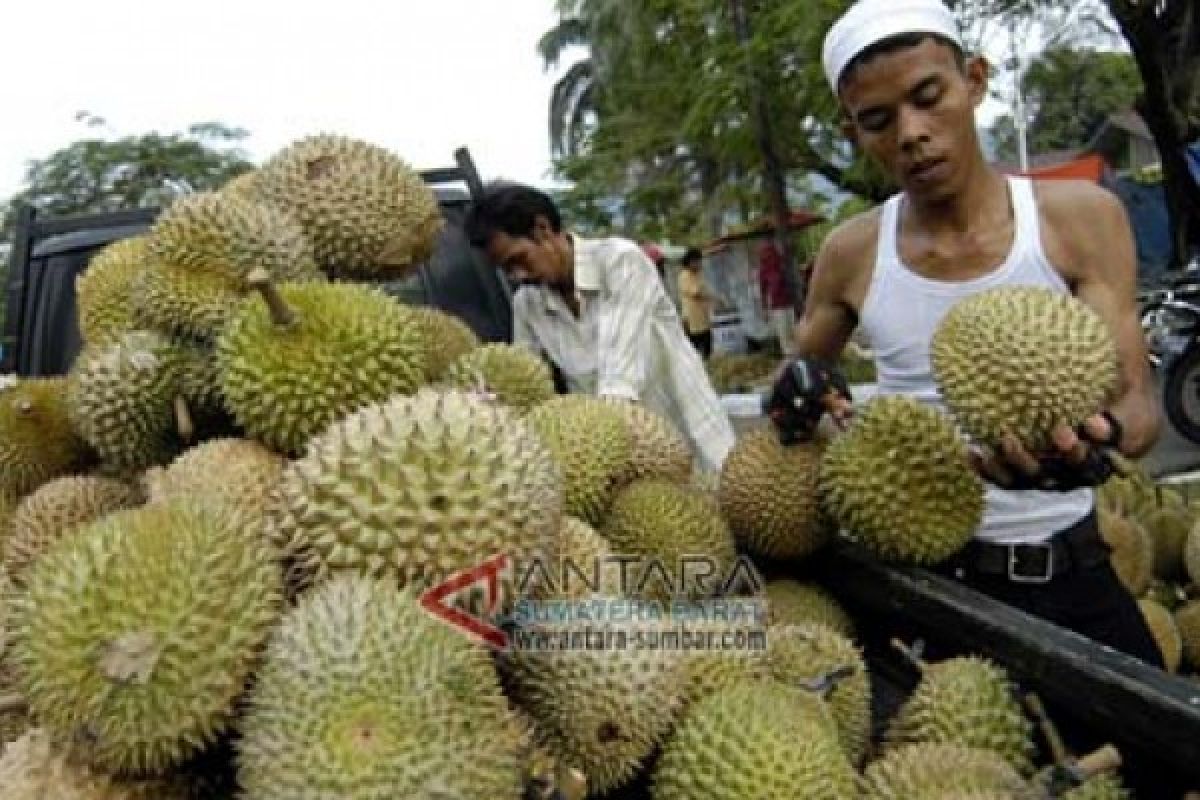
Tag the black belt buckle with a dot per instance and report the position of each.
(1026, 567)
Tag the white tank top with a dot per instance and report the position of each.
(902, 310)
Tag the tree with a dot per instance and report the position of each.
(1070, 93)
(1165, 38)
(95, 174)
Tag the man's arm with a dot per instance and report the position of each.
(828, 320)
(1106, 279)
(623, 324)
(523, 333)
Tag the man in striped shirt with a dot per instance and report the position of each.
(597, 310)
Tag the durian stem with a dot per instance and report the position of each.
(1106, 759)
(183, 419)
(1058, 750)
(12, 702)
(571, 784)
(281, 314)
(826, 683)
(912, 654)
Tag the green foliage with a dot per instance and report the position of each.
(1070, 93)
(96, 174)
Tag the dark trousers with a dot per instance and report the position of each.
(1088, 599)
(702, 342)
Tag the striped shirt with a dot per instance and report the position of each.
(627, 341)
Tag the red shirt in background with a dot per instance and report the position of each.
(770, 277)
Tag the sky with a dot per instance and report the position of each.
(420, 77)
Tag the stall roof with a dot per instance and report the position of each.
(800, 219)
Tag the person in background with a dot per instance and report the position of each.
(658, 258)
(596, 309)
(780, 311)
(698, 301)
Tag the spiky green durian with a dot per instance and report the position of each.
(363, 694)
(122, 399)
(591, 444)
(899, 482)
(602, 710)
(730, 652)
(1022, 360)
(302, 356)
(1191, 554)
(367, 212)
(136, 636)
(37, 442)
(14, 714)
(804, 655)
(968, 701)
(1166, 633)
(1132, 555)
(790, 602)
(239, 472)
(203, 248)
(669, 527)
(760, 739)
(580, 563)
(658, 448)
(1101, 787)
(1168, 527)
(511, 373)
(55, 510)
(417, 488)
(447, 336)
(770, 496)
(937, 771)
(37, 767)
(104, 292)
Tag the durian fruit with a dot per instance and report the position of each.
(604, 693)
(416, 489)
(14, 713)
(898, 482)
(122, 399)
(1132, 555)
(368, 214)
(1022, 360)
(448, 339)
(1168, 595)
(1092, 777)
(770, 496)
(672, 530)
(1166, 634)
(1187, 620)
(591, 444)
(1191, 554)
(581, 563)
(104, 292)
(305, 354)
(802, 655)
(760, 740)
(56, 510)
(37, 767)
(659, 449)
(239, 472)
(1168, 527)
(37, 442)
(243, 185)
(363, 694)
(790, 602)
(136, 636)
(8, 508)
(203, 248)
(512, 374)
(1102, 787)
(728, 652)
(969, 701)
(944, 770)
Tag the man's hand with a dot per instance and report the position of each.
(803, 391)
(1080, 458)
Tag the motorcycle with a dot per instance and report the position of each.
(1170, 318)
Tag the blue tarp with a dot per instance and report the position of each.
(1146, 205)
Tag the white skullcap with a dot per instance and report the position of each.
(871, 21)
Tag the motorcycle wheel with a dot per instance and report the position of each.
(1181, 395)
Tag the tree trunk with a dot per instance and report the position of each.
(774, 175)
(1165, 46)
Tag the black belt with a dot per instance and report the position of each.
(1077, 547)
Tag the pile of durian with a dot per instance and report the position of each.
(217, 530)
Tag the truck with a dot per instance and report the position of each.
(1151, 717)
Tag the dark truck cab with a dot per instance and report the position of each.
(1152, 717)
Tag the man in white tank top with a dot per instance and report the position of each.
(958, 226)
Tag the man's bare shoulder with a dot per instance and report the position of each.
(849, 249)
(1081, 220)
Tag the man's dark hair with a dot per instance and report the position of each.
(901, 41)
(691, 256)
(510, 208)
